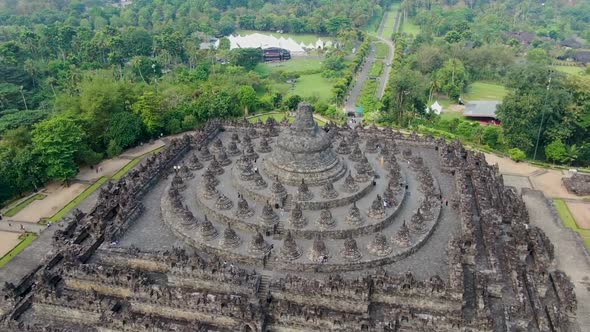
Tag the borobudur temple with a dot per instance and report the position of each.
(293, 227)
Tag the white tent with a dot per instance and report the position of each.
(436, 108)
(319, 44)
(263, 41)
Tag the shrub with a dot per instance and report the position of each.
(189, 122)
(114, 149)
(492, 136)
(466, 129)
(556, 151)
(516, 154)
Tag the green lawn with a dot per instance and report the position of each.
(409, 27)
(382, 51)
(569, 221)
(571, 70)
(313, 85)
(306, 38)
(72, 204)
(26, 239)
(296, 64)
(376, 69)
(485, 91)
(11, 212)
(450, 115)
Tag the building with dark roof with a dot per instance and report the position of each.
(582, 56)
(276, 54)
(523, 37)
(483, 110)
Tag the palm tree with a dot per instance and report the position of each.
(572, 153)
(23, 95)
(136, 62)
(51, 82)
(434, 87)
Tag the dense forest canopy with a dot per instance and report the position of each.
(83, 80)
(516, 45)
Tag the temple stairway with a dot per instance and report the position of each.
(263, 287)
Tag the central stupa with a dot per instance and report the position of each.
(304, 152)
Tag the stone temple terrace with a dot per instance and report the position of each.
(293, 227)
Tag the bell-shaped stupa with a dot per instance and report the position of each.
(304, 151)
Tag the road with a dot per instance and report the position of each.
(361, 77)
(391, 46)
(363, 74)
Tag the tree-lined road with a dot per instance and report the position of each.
(361, 77)
(391, 46)
(363, 74)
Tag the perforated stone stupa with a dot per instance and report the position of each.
(266, 227)
(304, 151)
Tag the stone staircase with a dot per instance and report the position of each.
(289, 202)
(263, 287)
(279, 232)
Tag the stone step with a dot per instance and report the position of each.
(263, 287)
(280, 230)
(538, 172)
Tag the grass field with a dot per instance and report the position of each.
(382, 51)
(485, 91)
(376, 69)
(313, 85)
(306, 38)
(27, 238)
(409, 27)
(451, 115)
(11, 212)
(569, 221)
(572, 70)
(73, 203)
(307, 85)
(293, 65)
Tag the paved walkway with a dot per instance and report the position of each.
(8, 240)
(549, 181)
(390, 55)
(359, 81)
(58, 195)
(21, 227)
(570, 255)
(363, 74)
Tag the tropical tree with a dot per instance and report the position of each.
(56, 142)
